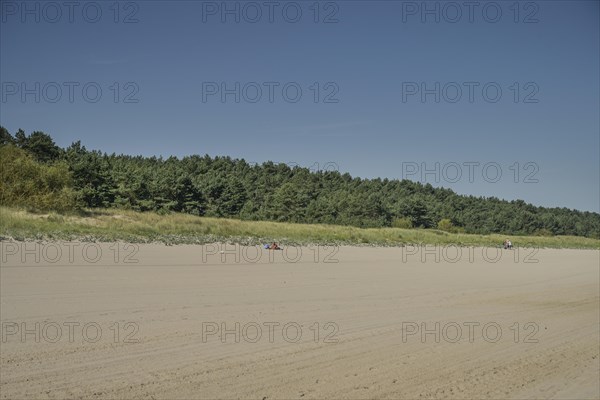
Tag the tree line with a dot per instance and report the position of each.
(39, 174)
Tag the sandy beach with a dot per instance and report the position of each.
(126, 321)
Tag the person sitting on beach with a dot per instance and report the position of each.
(274, 246)
(505, 244)
(509, 244)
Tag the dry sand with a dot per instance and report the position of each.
(153, 328)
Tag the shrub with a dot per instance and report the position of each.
(445, 225)
(404, 223)
(25, 182)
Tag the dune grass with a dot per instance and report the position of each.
(109, 225)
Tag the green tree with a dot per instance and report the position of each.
(6, 137)
(91, 176)
(42, 147)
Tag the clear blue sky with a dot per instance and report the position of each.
(374, 54)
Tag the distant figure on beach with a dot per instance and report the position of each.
(507, 244)
(272, 246)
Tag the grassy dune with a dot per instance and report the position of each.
(122, 225)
